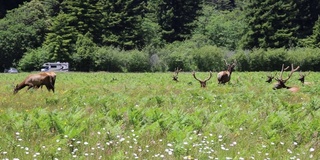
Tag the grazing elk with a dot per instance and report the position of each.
(34, 81)
(281, 81)
(175, 74)
(225, 76)
(302, 76)
(203, 83)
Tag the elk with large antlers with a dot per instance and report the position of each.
(225, 76)
(203, 83)
(175, 74)
(281, 81)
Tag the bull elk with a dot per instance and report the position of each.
(225, 76)
(302, 77)
(203, 83)
(281, 81)
(34, 81)
(175, 74)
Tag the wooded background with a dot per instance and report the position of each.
(159, 35)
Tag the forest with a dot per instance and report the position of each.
(160, 35)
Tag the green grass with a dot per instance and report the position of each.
(149, 116)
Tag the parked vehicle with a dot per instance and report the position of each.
(55, 67)
(11, 70)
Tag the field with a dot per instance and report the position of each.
(149, 116)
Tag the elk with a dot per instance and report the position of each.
(302, 76)
(270, 78)
(51, 74)
(34, 81)
(203, 83)
(281, 81)
(225, 76)
(175, 74)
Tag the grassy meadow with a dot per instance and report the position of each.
(104, 115)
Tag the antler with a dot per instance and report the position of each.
(203, 83)
(281, 81)
(235, 62)
(175, 74)
(292, 70)
(302, 76)
(283, 69)
(227, 64)
(305, 74)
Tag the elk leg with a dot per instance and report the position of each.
(30, 86)
(50, 87)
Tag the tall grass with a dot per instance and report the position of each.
(149, 116)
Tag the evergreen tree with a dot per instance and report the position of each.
(308, 12)
(83, 58)
(271, 24)
(316, 34)
(21, 29)
(176, 18)
(314, 39)
(86, 17)
(121, 23)
(62, 38)
(222, 4)
(8, 5)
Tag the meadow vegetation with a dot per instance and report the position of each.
(103, 115)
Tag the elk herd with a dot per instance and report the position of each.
(48, 78)
(224, 76)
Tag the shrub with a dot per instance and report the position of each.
(33, 59)
(307, 58)
(138, 62)
(209, 58)
(109, 59)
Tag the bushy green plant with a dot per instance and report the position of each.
(109, 59)
(83, 58)
(33, 59)
(209, 58)
(307, 58)
(138, 61)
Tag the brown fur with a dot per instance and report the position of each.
(34, 81)
(175, 74)
(225, 76)
(51, 74)
(281, 82)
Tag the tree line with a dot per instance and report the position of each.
(154, 35)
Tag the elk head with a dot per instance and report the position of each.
(281, 81)
(225, 76)
(302, 76)
(270, 77)
(203, 83)
(175, 74)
